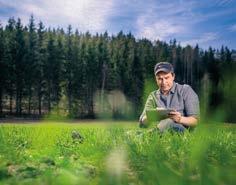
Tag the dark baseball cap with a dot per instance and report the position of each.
(164, 67)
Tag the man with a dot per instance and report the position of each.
(171, 95)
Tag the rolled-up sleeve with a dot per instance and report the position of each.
(150, 104)
(191, 102)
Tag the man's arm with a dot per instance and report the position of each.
(150, 104)
(191, 106)
(188, 121)
(143, 121)
(184, 120)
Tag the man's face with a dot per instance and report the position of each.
(165, 81)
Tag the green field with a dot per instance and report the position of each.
(115, 153)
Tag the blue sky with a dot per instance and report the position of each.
(206, 22)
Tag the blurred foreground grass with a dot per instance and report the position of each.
(115, 153)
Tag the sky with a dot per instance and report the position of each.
(206, 22)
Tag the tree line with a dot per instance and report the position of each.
(47, 69)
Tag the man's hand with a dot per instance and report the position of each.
(175, 116)
(143, 122)
(178, 118)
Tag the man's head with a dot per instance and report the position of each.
(165, 76)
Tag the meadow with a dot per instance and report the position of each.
(115, 153)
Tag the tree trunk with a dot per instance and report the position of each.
(69, 99)
(104, 69)
(49, 96)
(11, 99)
(39, 99)
(20, 102)
(1, 102)
(29, 100)
(39, 104)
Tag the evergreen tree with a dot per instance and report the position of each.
(222, 54)
(76, 71)
(214, 74)
(228, 54)
(196, 69)
(137, 82)
(69, 68)
(91, 77)
(60, 58)
(40, 65)
(49, 69)
(31, 62)
(19, 65)
(179, 65)
(3, 67)
(148, 56)
(10, 61)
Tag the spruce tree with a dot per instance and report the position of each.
(19, 65)
(10, 61)
(31, 62)
(3, 67)
(40, 84)
(69, 69)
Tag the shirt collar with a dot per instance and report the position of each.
(172, 90)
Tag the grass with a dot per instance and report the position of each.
(115, 153)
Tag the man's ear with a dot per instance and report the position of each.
(173, 75)
(155, 77)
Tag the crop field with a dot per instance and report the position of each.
(116, 153)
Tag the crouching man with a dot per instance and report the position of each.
(180, 98)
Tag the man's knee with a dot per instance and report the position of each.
(165, 124)
(169, 124)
